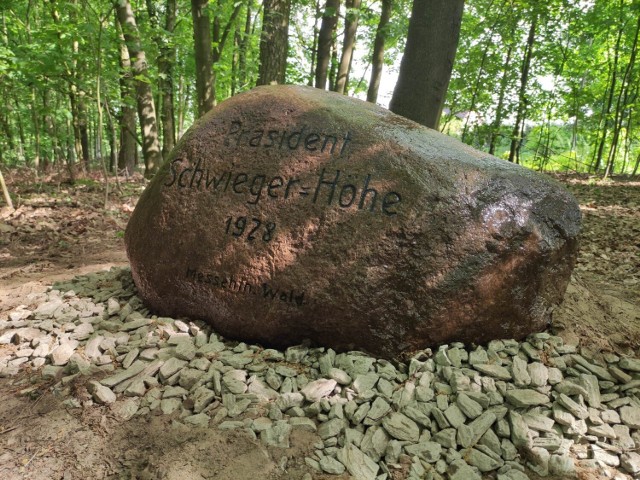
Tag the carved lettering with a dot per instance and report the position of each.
(300, 137)
(233, 284)
(332, 187)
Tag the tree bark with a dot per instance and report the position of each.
(333, 65)
(622, 103)
(428, 59)
(36, 131)
(518, 128)
(242, 49)
(144, 96)
(274, 42)
(612, 87)
(352, 16)
(314, 44)
(377, 62)
(127, 117)
(204, 58)
(325, 38)
(165, 83)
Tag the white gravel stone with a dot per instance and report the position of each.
(539, 374)
(61, 354)
(495, 371)
(277, 435)
(331, 465)
(562, 465)
(538, 460)
(339, 376)
(525, 398)
(429, 451)
(577, 410)
(199, 420)
(379, 408)
(454, 416)
(318, 389)
(186, 351)
(331, 428)
(100, 393)
(170, 368)
(363, 384)
(92, 347)
(482, 461)
(630, 364)
(519, 371)
(123, 375)
(113, 306)
(401, 427)
(170, 405)
(603, 457)
(357, 463)
(630, 416)
(630, 461)
(460, 470)
(126, 409)
(469, 407)
(365, 410)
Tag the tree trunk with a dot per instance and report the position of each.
(377, 62)
(144, 96)
(166, 61)
(314, 44)
(274, 42)
(348, 44)
(83, 128)
(635, 168)
(325, 39)
(516, 136)
(622, 103)
(497, 123)
(204, 59)
(333, 69)
(127, 117)
(243, 48)
(612, 87)
(220, 37)
(36, 131)
(488, 42)
(428, 59)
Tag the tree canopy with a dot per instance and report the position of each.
(552, 84)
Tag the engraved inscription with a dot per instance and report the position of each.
(295, 138)
(331, 187)
(254, 227)
(241, 286)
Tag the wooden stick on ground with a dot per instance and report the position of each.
(5, 192)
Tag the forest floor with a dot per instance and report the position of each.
(59, 231)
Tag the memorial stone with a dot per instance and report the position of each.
(290, 213)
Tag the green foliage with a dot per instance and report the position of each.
(581, 102)
(579, 47)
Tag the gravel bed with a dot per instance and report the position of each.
(495, 411)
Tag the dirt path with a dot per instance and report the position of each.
(59, 232)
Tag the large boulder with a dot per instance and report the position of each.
(290, 213)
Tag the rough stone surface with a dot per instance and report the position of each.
(357, 463)
(101, 394)
(320, 217)
(525, 398)
(630, 416)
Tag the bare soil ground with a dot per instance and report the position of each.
(59, 231)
